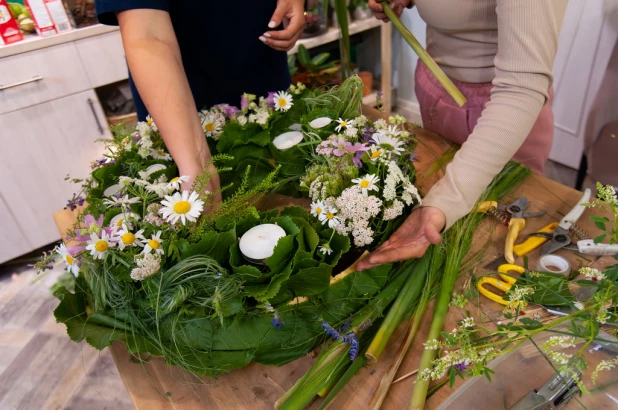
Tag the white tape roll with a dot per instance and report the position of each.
(555, 264)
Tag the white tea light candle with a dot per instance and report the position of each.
(259, 242)
(320, 122)
(288, 140)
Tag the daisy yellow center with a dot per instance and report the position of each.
(69, 259)
(174, 179)
(154, 244)
(149, 121)
(364, 183)
(128, 238)
(210, 127)
(161, 153)
(318, 210)
(120, 221)
(330, 215)
(182, 207)
(101, 246)
(343, 123)
(376, 154)
(283, 102)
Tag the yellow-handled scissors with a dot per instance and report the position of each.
(504, 285)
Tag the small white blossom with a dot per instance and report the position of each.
(242, 120)
(603, 365)
(468, 322)
(592, 274)
(380, 124)
(432, 344)
(326, 249)
(147, 265)
(351, 132)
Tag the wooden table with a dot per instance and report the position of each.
(154, 385)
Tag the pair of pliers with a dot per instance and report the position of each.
(504, 285)
(514, 217)
(560, 238)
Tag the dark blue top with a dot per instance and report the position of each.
(221, 52)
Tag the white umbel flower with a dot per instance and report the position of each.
(176, 182)
(153, 244)
(98, 246)
(329, 216)
(283, 101)
(367, 183)
(127, 238)
(147, 265)
(185, 206)
(68, 259)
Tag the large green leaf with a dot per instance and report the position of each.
(214, 244)
(234, 135)
(310, 281)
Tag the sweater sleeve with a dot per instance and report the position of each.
(527, 44)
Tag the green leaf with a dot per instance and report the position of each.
(600, 238)
(320, 59)
(600, 225)
(310, 281)
(234, 135)
(214, 244)
(601, 219)
(303, 55)
(283, 252)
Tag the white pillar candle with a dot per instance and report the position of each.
(259, 242)
(288, 140)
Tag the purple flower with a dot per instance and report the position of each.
(136, 137)
(357, 159)
(231, 111)
(90, 223)
(367, 134)
(461, 366)
(413, 157)
(351, 339)
(276, 321)
(244, 102)
(331, 331)
(74, 202)
(271, 99)
(357, 147)
(341, 147)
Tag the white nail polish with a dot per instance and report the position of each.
(262, 39)
(272, 24)
(266, 35)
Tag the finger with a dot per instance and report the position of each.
(279, 45)
(277, 17)
(433, 236)
(375, 6)
(380, 16)
(296, 24)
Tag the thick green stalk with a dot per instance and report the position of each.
(343, 380)
(425, 58)
(341, 11)
(416, 277)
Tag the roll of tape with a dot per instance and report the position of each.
(555, 264)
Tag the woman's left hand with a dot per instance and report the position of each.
(292, 14)
(421, 229)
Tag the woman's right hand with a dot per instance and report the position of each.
(396, 5)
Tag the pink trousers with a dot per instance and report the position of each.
(443, 116)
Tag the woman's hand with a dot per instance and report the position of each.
(214, 184)
(292, 14)
(411, 240)
(396, 5)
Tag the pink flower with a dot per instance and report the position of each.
(271, 99)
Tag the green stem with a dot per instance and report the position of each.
(425, 58)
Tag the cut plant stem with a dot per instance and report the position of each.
(435, 69)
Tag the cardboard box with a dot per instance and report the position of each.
(9, 31)
(50, 17)
(58, 15)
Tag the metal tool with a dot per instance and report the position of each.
(560, 239)
(555, 394)
(513, 216)
(527, 246)
(504, 285)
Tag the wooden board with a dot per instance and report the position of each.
(154, 385)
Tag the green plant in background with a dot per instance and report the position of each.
(315, 71)
(341, 11)
(606, 199)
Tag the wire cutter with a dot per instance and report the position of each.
(560, 238)
(512, 216)
(504, 285)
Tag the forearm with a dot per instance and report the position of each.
(156, 68)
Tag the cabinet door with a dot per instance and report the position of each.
(12, 241)
(103, 58)
(40, 145)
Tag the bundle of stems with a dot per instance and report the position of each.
(435, 69)
(458, 240)
(433, 260)
(334, 360)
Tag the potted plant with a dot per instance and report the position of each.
(315, 20)
(313, 72)
(360, 9)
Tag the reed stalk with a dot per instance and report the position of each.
(435, 69)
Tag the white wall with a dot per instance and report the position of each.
(404, 65)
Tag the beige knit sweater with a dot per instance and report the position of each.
(511, 43)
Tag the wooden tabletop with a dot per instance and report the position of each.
(154, 385)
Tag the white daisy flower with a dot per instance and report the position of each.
(389, 144)
(151, 123)
(120, 201)
(127, 238)
(98, 246)
(160, 154)
(69, 260)
(375, 153)
(283, 101)
(212, 125)
(392, 130)
(317, 208)
(175, 183)
(367, 183)
(326, 249)
(153, 244)
(185, 206)
(343, 124)
(124, 218)
(328, 216)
